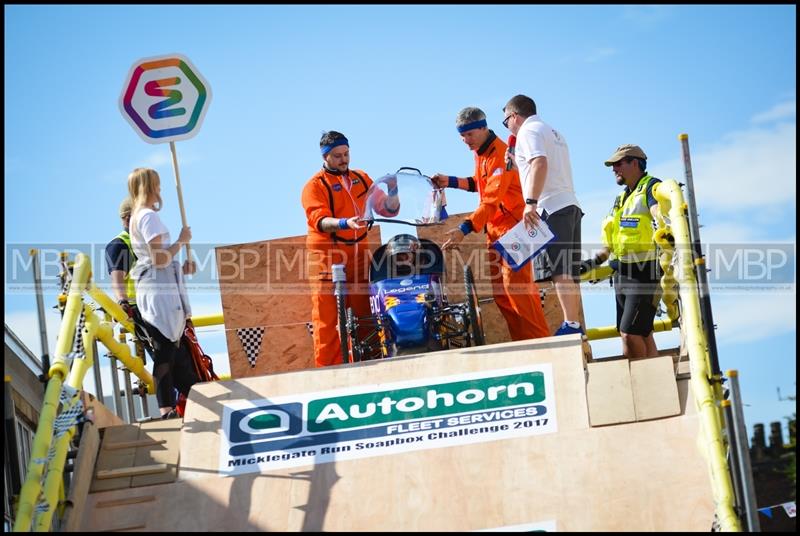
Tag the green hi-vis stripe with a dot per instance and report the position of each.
(425, 401)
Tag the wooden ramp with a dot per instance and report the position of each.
(522, 435)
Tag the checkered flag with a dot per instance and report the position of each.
(310, 328)
(251, 342)
(542, 295)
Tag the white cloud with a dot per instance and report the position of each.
(750, 170)
(723, 232)
(736, 323)
(158, 158)
(600, 53)
(784, 110)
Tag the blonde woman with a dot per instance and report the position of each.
(160, 290)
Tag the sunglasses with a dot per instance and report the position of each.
(508, 117)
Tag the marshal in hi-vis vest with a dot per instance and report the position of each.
(628, 229)
(130, 288)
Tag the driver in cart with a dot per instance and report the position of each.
(401, 252)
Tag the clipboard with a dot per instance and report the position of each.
(519, 245)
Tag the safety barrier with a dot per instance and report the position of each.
(707, 393)
(40, 491)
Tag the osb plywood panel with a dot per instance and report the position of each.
(283, 348)
(265, 284)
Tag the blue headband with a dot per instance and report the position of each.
(327, 148)
(470, 126)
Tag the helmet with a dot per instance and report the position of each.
(402, 243)
(401, 252)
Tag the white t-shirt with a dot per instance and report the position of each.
(537, 138)
(160, 292)
(146, 226)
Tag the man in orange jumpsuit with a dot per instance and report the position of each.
(334, 200)
(500, 208)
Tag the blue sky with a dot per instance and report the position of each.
(392, 78)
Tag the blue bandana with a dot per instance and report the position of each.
(327, 148)
(470, 126)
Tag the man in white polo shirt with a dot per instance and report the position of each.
(542, 157)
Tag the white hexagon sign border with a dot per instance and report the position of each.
(165, 107)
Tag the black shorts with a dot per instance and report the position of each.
(638, 291)
(562, 256)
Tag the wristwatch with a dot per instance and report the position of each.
(529, 201)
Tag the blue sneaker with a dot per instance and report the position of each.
(566, 329)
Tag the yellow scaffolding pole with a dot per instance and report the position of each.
(75, 372)
(122, 352)
(59, 369)
(209, 320)
(609, 332)
(670, 199)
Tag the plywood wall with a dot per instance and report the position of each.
(638, 476)
(264, 285)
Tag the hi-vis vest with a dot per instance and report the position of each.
(628, 229)
(130, 288)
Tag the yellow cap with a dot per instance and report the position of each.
(725, 403)
(683, 137)
(732, 373)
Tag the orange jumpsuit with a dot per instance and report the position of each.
(500, 209)
(326, 195)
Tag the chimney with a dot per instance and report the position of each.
(776, 438)
(758, 444)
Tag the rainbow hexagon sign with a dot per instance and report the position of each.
(165, 98)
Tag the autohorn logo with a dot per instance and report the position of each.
(265, 422)
(385, 419)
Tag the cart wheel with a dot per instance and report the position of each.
(342, 326)
(475, 328)
(352, 336)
